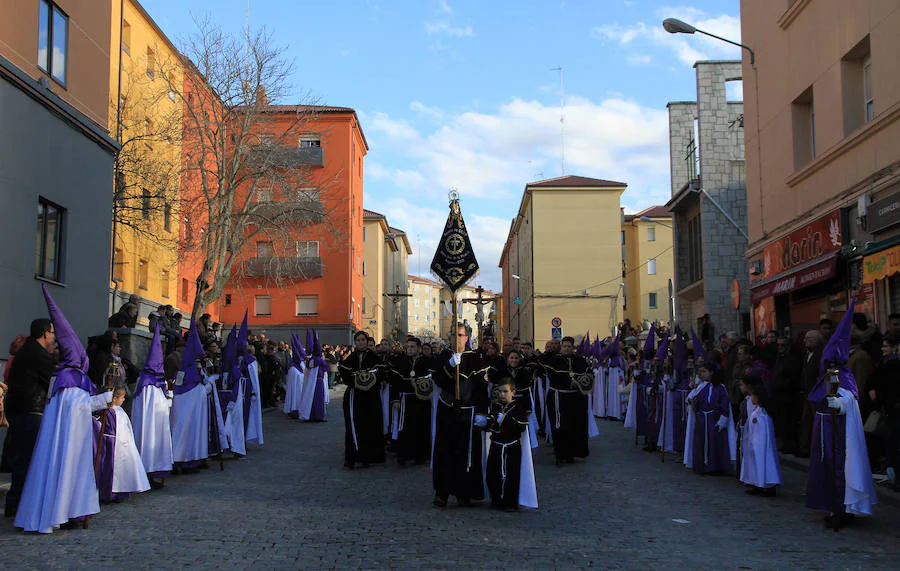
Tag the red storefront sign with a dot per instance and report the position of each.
(810, 275)
(815, 240)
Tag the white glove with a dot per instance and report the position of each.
(480, 421)
(836, 404)
(101, 401)
(170, 395)
(230, 406)
(209, 388)
(723, 422)
(455, 359)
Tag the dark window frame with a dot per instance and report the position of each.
(41, 257)
(52, 9)
(652, 301)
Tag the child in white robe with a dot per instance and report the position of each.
(760, 466)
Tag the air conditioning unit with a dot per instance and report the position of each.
(862, 205)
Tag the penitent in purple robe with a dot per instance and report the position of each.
(711, 449)
(106, 463)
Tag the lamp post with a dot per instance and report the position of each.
(675, 26)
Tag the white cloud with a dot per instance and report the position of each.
(424, 111)
(687, 48)
(637, 60)
(490, 156)
(444, 7)
(443, 28)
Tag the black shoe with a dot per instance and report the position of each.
(157, 484)
(651, 448)
(440, 501)
(768, 492)
(203, 465)
(401, 461)
(559, 462)
(511, 509)
(754, 491)
(349, 465)
(10, 511)
(74, 524)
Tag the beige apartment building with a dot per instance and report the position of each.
(386, 252)
(424, 312)
(648, 260)
(562, 261)
(822, 132)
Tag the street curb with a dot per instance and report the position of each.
(885, 495)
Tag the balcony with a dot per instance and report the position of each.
(277, 267)
(291, 212)
(279, 156)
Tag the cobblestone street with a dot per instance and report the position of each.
(291, 505)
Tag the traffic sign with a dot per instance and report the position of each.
(556, 333)
(556, 322)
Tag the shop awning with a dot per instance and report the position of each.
(881, 264)
(805, 275)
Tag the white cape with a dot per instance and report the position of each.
(152, 432)
(385, 408)
(692, 424)
(308, 393)
(760, 463)
(294, 389)
(234, 421)
(60, 484)
(859, 492)
(613, 398)
(599, 394)
(190, 424)
(631, 411)
(129, 474)
(254, 426)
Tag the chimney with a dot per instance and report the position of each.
(261, 99)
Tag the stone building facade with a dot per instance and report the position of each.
(709, 201)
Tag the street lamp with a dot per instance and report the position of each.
(675, 26)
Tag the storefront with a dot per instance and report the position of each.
(796, 278)
(878, 266)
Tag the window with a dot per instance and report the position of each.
(868, 98)
(308, 193)
(652, 301)
(623, 237)
(50, 220)
(167, 217)
(145, 204)
(857, 100)
(184, 290)
(651, 234)
(803, 117)
(164, 283)
(309, 305)
(227, 299)
(364, 267)
(126, 37)
(262, 305)
(694, 267)
(265, 196)
(53, 32)
(427, 318)
(427, 304)
(118, 266)
(151, 63)
(364, 233)
(416, 302)
(364, 305)
(143, 273)
(264, 249)
(307, 249)
(310, 141)
(651, 267)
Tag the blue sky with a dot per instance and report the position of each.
(463, 93)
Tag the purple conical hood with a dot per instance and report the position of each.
(298, 353)
(229, 355)
(71, 351)
(650, 343)
(837, 350)
(317, 348)
(663, 350)
(243, 336)
(152, 374)
(679, 353)
(597, 349)
(700, 355)
(309, 339)
(154, 363)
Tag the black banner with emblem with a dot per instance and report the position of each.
(454, 261)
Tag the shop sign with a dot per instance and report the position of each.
(884, 213)
(806, 277)
(813, 241)
(881, 265)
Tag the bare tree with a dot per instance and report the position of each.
(242, 176)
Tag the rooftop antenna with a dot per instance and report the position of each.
(562, 120)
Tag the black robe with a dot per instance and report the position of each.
(567, 408)
(504, 464)
(363, 416)
(457, 467)
(414, 430)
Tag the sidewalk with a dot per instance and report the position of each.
(886, 495)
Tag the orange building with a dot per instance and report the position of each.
(313, 278)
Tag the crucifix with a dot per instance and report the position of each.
(396, 299)
(479, 303)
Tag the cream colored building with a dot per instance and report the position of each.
(822, 129)
(649, 264)
(563, 259)
(386, 252)
(424, 310)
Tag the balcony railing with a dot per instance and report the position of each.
(283, 267)
(286, 211)
(285, 157)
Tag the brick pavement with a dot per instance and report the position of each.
(291, 505)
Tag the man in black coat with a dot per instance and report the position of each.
(808, 378)
(786, 403)
(29, 382)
